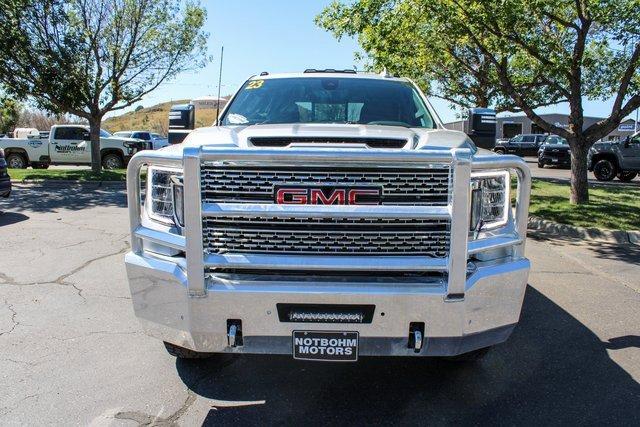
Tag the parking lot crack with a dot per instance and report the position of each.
(14, 322)
(62, 279)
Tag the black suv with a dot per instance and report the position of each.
(520, 145)
(5, 181)
(554, 151)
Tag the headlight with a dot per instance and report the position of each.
(490, 200)
(165, 195)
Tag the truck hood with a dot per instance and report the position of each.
(561, 147)
(238, 136)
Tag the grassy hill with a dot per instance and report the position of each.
(155, 118)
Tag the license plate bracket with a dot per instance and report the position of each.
(327, 346)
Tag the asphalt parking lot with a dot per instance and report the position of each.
(72, 353)
(564, 174)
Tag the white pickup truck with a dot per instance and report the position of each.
(327, 215)
(68, 145)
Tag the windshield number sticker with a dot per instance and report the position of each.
(255, 84)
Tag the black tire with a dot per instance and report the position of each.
(627, 176)
(472, 356)
(541, 165)
(17, 161)
(112, 161)
(499, 151)
(605, 170)
(185, 353)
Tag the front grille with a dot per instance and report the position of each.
(281, 237)
(400, 186)
(561, 154)
(286, 141)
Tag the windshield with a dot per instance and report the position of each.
(328, 100)
(104, 133)
(556, 140)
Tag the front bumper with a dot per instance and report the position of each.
(550, 159)
(486, 316)
(468, 300)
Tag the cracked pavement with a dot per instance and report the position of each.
(72, 352)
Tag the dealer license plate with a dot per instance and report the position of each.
(325, 346)
(554, 160)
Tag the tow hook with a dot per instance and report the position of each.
(234, 332)
(416, 336)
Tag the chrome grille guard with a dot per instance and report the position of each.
(457, 211)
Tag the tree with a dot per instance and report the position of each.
(90, 57)
(10, 110)
(558, 50)
(403, 38)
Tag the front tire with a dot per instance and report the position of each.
(627, 176)
(499, 151)
(185, 353)
(112, 161)
(605, 170)
(541, 165)
(17, 161)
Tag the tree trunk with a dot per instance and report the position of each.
(579, 178)
(94, 133)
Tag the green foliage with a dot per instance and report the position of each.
(10, 110)
(406, 38)
(513, 54)
(89, 57)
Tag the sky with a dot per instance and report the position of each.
(280, 36)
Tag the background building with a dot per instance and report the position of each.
(509, 126)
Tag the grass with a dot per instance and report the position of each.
(610, 207)
(67, 174)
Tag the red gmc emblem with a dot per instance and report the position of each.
(327, 196)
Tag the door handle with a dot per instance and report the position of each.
(73, 143)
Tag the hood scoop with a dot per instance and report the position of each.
(286, 141)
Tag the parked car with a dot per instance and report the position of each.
(342, 221)
(611, 159)
(521, 145)
(554, 151)
(68, 145)
(5, 180)
(155, 141)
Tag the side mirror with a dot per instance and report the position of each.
(86, 136)
(481, 127)
(182, 120)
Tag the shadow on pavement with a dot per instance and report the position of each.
(628, 253)
(552, 371)
(8, 218)
(54, 197)
(627, 341)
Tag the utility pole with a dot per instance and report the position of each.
(219, 84)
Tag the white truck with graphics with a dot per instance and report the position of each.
(68, 145)
(327, 215)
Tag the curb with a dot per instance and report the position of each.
(619, 237)
(66, 183)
